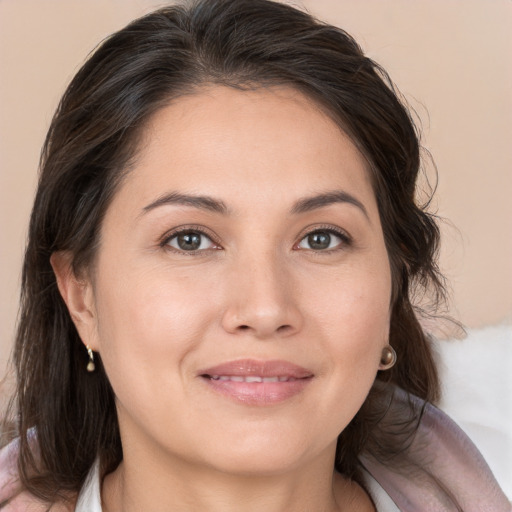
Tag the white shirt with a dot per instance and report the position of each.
(89, 499)
(381, 499)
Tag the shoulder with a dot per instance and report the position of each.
(439, 470)
(13, 498)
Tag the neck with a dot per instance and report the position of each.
(181, 486)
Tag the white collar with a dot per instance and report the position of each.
(381, 499)
(89, 499)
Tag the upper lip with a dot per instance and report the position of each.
(248, 367)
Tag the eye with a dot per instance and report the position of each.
(190, 241)
(323, 239)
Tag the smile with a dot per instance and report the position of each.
(252, 378)
(252, 382)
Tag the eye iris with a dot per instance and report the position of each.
(189, 241)
(319, 240)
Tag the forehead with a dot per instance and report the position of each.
(258, 140)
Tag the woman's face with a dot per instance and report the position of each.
(241, 294)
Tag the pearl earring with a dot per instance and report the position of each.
(90, 365)
(388, 358)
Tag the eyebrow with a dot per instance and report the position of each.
(202, 202)
(308, 204)
(211, 204)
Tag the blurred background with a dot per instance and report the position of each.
(452, 62)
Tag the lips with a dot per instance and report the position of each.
(264, 369)
(254, 382)
(252, 378)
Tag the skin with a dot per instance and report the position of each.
(255, 289)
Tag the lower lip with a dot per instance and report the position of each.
(258, 393)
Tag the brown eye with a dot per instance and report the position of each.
(190, 241)
(322, 240)
(319, 240)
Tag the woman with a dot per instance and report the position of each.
(216, 306)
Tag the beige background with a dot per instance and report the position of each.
(451, 59)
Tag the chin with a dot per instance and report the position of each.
(267, 456)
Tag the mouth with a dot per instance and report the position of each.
(250, 378)
(252, 382)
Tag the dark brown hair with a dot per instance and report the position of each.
(93, 138)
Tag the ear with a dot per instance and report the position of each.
(78, 295)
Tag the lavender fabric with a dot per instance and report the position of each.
(441, 470)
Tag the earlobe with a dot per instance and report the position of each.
(78, 295)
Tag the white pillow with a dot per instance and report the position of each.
(476, 378)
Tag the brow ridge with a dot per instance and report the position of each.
(202, 202)
(211, 204)
(314, 202)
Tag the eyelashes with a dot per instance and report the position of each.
(324, 239)
(190, 240)
(198, 240)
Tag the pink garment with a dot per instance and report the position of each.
(440, 471)
(12, 497)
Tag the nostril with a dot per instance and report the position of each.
(280, 329)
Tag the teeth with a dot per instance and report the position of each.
(251, 378)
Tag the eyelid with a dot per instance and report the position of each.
(202, 230)
(341, 233)
(164, 240)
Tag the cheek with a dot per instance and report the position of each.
(353, 316)
(148, 322)
(354, 304)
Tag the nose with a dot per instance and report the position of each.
(261, 300)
